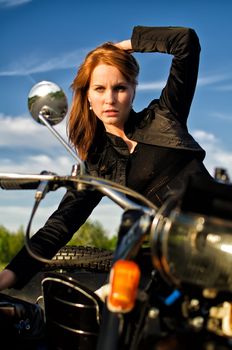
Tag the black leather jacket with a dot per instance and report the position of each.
(162, 123)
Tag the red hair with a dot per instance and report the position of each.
(83, 125)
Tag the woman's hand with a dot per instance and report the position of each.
(125, 45)
(7, 279)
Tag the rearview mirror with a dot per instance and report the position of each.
(47, 99)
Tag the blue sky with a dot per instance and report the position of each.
(48, 39)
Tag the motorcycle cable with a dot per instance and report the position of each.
(75, 261)
(45, 186)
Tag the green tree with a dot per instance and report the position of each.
(16, 241)
(90, 234)
(10, 243)
(4, 244)
(93, 234)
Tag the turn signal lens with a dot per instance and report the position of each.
(124, 280)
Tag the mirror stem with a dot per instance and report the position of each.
(64, 143)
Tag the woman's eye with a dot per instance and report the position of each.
(99, 89)
(120, 88)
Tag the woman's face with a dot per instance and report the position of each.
(110, 96)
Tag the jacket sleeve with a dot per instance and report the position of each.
(183, 44)
(74, 209)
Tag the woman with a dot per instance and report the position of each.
(150, 151)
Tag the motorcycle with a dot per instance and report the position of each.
(167, 285)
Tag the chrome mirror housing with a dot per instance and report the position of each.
(47, 99)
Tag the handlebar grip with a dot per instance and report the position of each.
(18, 185)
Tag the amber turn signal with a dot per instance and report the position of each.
(124, 281)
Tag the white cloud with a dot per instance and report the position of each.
(23, 131)
(61, 165)
(222, 116)
(15, 213)
(226, 87)
(216, 154)
(36, 64)
(31, 148)
(14, 216)
(211, 79)
(204, 136)
(40, 150)
(13, 3)
(156, 85)
(108, 214)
